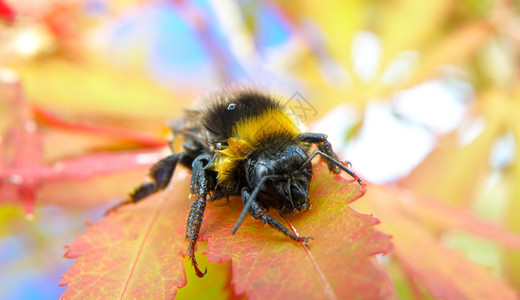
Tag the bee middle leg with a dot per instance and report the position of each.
(200, 186)
(257, 212)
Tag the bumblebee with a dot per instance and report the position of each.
(243, 143)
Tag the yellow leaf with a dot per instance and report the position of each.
(406, 23)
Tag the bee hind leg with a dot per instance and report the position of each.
(160, 174)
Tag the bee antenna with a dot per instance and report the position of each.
(247, 205)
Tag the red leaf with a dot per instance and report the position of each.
(95, 178)
(136, 252)
(443, 272)
(25, 176)
(6, 12)
(449, 217)
(62, 20)
(21, 146)
(338, 264)
(100, 130)
(81, 182)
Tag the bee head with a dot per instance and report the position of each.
(284, 177)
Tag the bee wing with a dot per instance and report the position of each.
(187, 129)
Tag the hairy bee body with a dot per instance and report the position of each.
(243, 143)
(252, 132)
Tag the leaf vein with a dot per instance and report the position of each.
(149, 227)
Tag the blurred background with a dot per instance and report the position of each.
(420, 96)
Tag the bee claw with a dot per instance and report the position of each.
(199, 273)
(304, 240)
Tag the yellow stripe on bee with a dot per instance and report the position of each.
(248, 135)
(271, 123)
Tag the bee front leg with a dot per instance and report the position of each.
(338, 164)
(324, 146)
(257, 212)
(326, 152)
